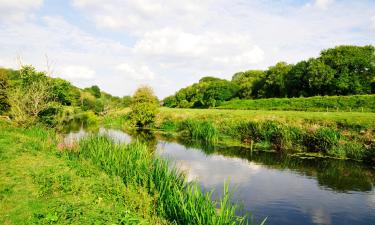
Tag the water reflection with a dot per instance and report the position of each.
(287, 190)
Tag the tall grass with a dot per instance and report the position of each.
(200, 130)
(177, 200)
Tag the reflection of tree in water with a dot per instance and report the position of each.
(338, 175)
(145, 136)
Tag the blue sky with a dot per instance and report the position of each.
(169, 44)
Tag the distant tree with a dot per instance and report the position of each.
(274, 85)
(170, 101)
(354, 68)
(126, 101)
(94, 90)
(63, 91)
(320, 77)
(246, 81)
(296, 81)
(144, 107)
(4, 85)
(218, 92)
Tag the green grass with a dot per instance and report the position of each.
(336, 134)
(39, 185)
(359, 103)
(176, 200)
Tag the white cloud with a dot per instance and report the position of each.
(135, 72)
(74, 72)
(373, 22)
(160, 43)
(321, 4)
(18, 10)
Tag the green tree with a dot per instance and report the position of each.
(63, 91)
(354, 66)
(274, 85)
(31, 98)
(144, 107)
(126, 101)
(94, 90)
(4, 84)
(246, 82)
(320, 77)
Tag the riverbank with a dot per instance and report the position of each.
(96, 180)
(345, 135)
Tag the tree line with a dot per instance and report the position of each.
(29, 96)
(343, 70)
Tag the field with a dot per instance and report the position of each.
(345, 120)
(357, 103)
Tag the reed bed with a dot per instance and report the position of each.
(178, 201)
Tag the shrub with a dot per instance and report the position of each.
(144, 107)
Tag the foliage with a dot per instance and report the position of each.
(343, 70)
(209, 92)
(31, 98)
(4, 85)
(144, 107)
(94, 90)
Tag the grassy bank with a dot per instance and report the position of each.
(96, 182)
(334, 134)
(354, 103)
(40, 185)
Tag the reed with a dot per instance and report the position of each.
(177, 200)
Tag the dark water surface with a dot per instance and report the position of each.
(287, 190)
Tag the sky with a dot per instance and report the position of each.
(121, 44)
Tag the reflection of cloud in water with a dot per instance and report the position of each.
(116, 135)
(320, 216)
(73, 137)
(211, 170)
(371, 199)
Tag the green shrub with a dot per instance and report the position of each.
(144, 107)
(324, 139)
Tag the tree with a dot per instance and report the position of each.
(274, 85)
(126, 101)
(4, 84)
(94, 90)
(144, 107)
(246, 81)
(62, 91)
(320, 77)
(31, 98)
(354, 66)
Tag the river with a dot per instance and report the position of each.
(285, 189)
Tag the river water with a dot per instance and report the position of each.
(287, 190)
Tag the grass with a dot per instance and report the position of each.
(359, 103)
(336, 134)
(40, 185)
(97, 182)
(176, 200)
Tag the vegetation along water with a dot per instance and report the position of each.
(292, 144)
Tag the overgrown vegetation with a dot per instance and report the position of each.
(176, 200)
(343, 70)
(42, 185)
(341, 135)
(29, 96)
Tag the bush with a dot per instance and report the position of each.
(144, 107)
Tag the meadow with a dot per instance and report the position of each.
(352, 103)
